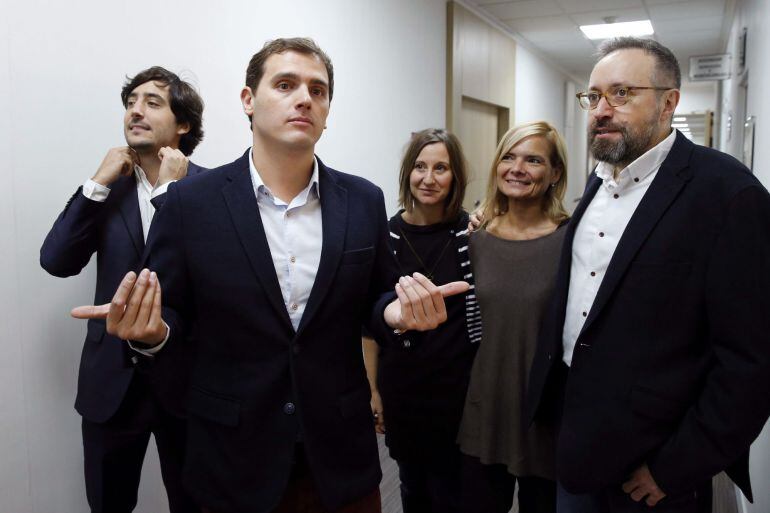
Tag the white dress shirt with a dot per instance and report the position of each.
(144, 190)
(294, 235)
(599, 232)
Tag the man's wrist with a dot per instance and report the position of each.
(141, 345)
(150, 349)
(95, 191)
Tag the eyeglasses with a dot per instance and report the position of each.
(615, 96)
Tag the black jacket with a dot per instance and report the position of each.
(672, 366)
(257, 385)
(113, 230)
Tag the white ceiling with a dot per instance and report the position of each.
(687, 27)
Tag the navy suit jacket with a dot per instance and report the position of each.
(672, 366)
(113, 230)
(258, 386)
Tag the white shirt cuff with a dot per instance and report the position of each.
(151, 351)
(95, 191)
(161, 189)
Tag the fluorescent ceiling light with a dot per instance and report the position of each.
(679, 125)
(608, 30)
(683, 118)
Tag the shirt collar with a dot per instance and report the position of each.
(260, 187)
(141, 178)
(640, 168)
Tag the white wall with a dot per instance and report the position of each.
(697, 97)
(61, 69)
(755, 15)
(539, 90)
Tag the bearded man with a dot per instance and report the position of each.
(654, 358)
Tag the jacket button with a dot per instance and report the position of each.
(407, 343)
(289, 408)
(295, 349)
(550, 356)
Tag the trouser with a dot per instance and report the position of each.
(614, 500)
(490, 489)
(114, 452)
(431, 486)
(301, 494)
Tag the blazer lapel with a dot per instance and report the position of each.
(334, 217)
(242, 202)
(665, 187)
(129, 210)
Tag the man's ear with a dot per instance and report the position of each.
(671, 99)
(182, 129)
(247, 100)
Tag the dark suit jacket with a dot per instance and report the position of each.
(672, 366)
(257, 385)
(113, 230)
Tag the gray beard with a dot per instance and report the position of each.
(630, 147)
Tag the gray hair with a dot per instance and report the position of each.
(667, 67)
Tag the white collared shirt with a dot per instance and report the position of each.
(600, 230)
(295, 236)
(145, 192)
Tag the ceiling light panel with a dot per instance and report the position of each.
(608, 30)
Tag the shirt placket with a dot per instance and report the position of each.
(148, 209)
(596, 252)
(292, 305)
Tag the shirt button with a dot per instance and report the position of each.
(636, 179)
(593, 273)
(601, 234)
(615, 196)
(289, 408)
(294, 307)
(585, 314)
(293, 259)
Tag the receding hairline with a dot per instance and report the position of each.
(615, 53)
(665, 62)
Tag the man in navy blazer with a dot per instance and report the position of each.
(274, 262)
(122, 396)
(656, 350)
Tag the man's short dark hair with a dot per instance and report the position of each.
(667, 72)
(185, 102)
(302, 45)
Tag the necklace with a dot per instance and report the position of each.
(428, 272)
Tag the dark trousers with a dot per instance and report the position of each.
(431, 486)
(614, 500)
(490, 489)
(301, 494)
(114, 452)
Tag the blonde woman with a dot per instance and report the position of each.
(515, 258)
